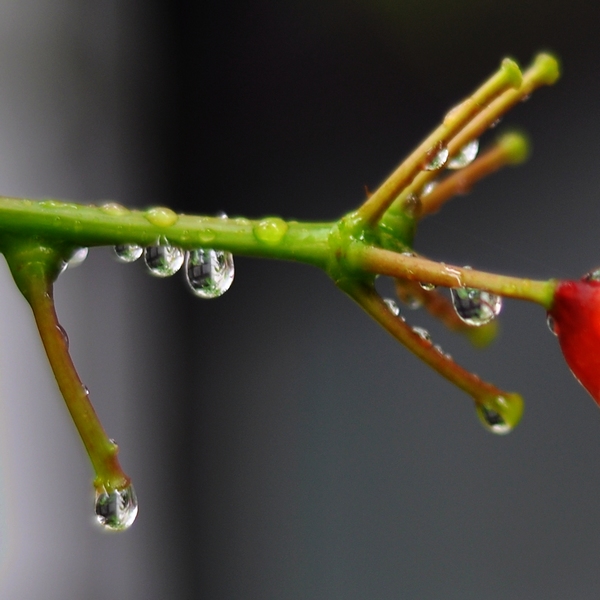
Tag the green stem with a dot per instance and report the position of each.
(371, 302)
(413, 268)
(112, 224)
(34, 269)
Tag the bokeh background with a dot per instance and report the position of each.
(281, 444)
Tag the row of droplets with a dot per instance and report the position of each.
(465, 156)
(208, 273)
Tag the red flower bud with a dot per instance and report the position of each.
(575, 313)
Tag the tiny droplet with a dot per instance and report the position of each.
(422, 333)
(78, 256)
(428, 287)
(117, 510)
(551, 324)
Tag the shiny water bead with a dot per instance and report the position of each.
(78, 256)
(551, 324)
(422, 333)
(429, 187)
(592, 275)
(428, 287)
(438, 159)
(116, 510)
(500, 414)
(475, 307)
(466, 155)
(128, 253)
(209, 273)
(392, 306)
(163, 261)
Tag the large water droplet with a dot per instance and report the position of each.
(128, 253)
(116, 510)
(466, 155)
(209, 273)
(500, 414)
(437, 158)
(163, 261)
(475, 307)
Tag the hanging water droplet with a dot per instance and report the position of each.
(551, 324)
(116, 510)
(392, 306)
(128, 253)
(78, 256)
(466, 155)
(209, 273)
(163, 261)
(500, 414)
(428, 287)
(436, 158)
(422, 333)
(475, 307)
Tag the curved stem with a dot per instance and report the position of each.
(371, 302)
(36, 285)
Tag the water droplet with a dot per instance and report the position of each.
(209, 273)
(392, 306)
(77, 257)
(474, 306)
(466, 155)
(551, 324)
(422, 333)
(49, 204)
(428, 287)
(270, 231)
(116, 510)
(163, 261)
(412, 206)
(592, 275)
(128, 253)
(436, 158)
(161, 216)
(114, 209)
(495, 123)
(428, 188)
(63, 334)
(500, 414)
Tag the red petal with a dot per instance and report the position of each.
(576, 314)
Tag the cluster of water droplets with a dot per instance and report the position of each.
(116, 510)
(439, 154)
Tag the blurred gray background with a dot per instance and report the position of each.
(281, 444)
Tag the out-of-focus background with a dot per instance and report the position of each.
(282, 446)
